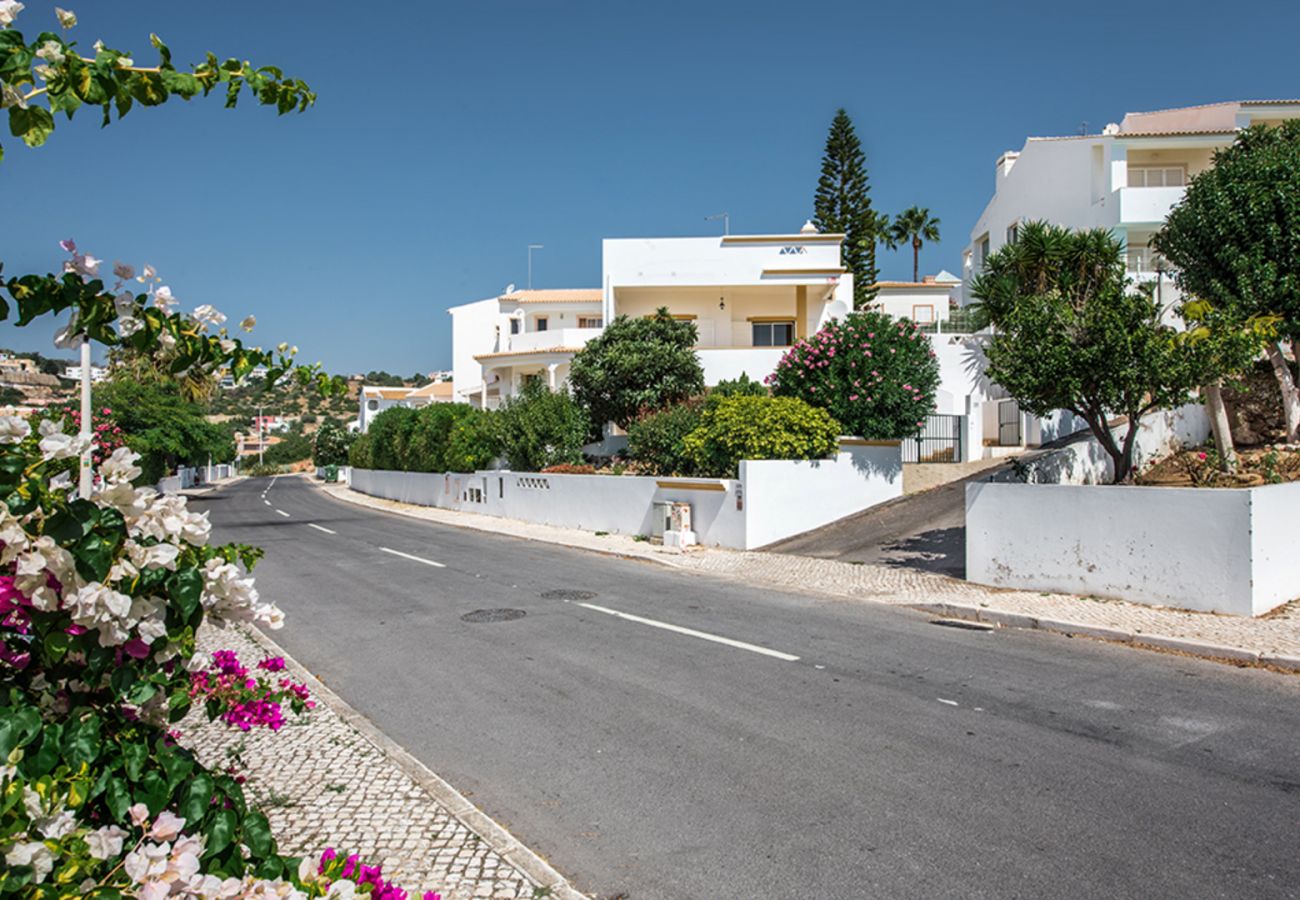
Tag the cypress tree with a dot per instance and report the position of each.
(842, 204)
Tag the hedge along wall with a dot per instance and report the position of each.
(772, 499)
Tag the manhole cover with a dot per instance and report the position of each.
(493, 615)
(568, 595)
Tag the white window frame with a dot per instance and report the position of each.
(1147, 171)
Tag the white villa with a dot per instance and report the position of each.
(375, 400)
(1126, 179)
(749, 296)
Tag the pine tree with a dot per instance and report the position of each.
(842, 205)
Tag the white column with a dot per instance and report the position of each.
(550, 375)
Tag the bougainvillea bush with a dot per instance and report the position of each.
(876, 375)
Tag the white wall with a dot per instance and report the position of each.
(1214, 550)
(962, 368)
(789, 497)
(724, 365)
(901, 302)
(772, 499)
(1085, 462)
(473, 332)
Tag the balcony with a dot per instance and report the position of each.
(1147, 205)
(554, 337)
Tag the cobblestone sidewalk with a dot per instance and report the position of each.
(1272, 640)
(328, 779)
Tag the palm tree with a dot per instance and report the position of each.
(914, 225)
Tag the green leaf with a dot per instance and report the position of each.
(118, 798)
(94, 557)
(70, 525)
(257, 834)
(177, 766)
(152, 792)
(220, 831)
(47, 757)
(17, 729)
(198, 797)
(33, 124)
(135, 753)
(82, 740)
(182, 84)
(57, 644)
(186, 590)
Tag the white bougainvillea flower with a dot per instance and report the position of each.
(249, 323)
(162, 297)
(57, 445)
(67, 18)
(148, 274)
(166, 826)
(208, 316)
(139, 814)
(13, 429)
(124, 303)
(11, 97)
(123, 271)
(106, 842)
(51, 51)
(57, 826)
(227, 345)
(121, 466)
(84, 265)
(129, 325)
(34, 854)
(9, 10)
(125, 62)
(69, 336)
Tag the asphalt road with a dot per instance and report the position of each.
(893, 758)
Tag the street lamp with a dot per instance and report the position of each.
(531, 248)
(726, 221)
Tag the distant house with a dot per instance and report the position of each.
(375, 400)
(750, 298)
(925, 302)
(97, 373)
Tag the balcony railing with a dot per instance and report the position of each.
(555, 337)
(1147, 205)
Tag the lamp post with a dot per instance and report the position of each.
(261, 444)
(726, 221)
(531, 248)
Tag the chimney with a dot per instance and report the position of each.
(1005, 162)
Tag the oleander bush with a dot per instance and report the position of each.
(876, 375)
(737, 428)
(331, 444)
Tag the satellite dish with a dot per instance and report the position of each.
(510, 288)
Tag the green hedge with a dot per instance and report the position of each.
(539, 428)
(736, 428)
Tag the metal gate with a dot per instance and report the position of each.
(938, 441)
(1008, 423)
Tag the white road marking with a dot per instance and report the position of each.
(267, 502)
(419, 559)
(283, 513)
(320, 528)
(691, 632)
(949, 702)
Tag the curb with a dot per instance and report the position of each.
(1223, 653)
(493, 834)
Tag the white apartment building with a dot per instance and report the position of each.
(1125, 179)
(749, 296)
(374, 399)
(925, 302)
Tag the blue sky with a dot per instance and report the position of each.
(449, 136)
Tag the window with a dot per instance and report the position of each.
(984, 249)
(1012, 231)
(923, 313)
(590, 322)
(773, 334)
(372, 405)
(514, 326)
(541, 323)
(1157, 176)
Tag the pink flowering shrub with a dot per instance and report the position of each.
(104, 425)
(875, 375)
(229, 692)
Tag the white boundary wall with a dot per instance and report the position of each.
(772, 499)
(1085, 462)
(1209, 549)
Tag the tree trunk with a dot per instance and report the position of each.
(916, 260)
(1221, 427)
(1290, 395)
(1121, 458)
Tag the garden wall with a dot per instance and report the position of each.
(1208, 549)
(771, 500)
(1083, 461)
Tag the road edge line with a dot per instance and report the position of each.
(492, 832)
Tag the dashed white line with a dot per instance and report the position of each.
(320, 528)
(948, 702)
(691, 632)
(283, 513)
(419, 559)
(267, 502)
